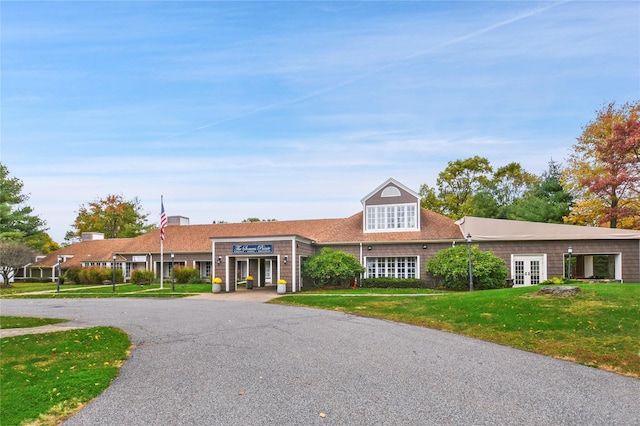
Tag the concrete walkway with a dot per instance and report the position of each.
(11, 332)
(257, 295)
(205, 362)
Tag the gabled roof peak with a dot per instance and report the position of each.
(387, 183)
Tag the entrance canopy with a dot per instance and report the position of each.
(266, 259)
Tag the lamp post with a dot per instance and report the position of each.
(113, 281)
(173, 275)
(570, 251)
(468, 239)
(60, 259)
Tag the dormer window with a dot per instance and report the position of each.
(391, 207)
(391, 217)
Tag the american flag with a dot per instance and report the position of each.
(163, 220)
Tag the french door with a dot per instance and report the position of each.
(528, 270)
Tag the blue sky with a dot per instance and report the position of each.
(294, 110)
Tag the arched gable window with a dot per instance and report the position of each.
(390, 191)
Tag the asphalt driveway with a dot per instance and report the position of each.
(206, 362)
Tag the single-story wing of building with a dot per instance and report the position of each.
(392, 236)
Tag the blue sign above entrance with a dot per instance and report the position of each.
(252, 248)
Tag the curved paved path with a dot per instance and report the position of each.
(204, 362)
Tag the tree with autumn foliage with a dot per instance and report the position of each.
(113, 216)
(603, 172)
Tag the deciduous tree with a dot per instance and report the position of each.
(507, 185)
(510, 182)
(456, 185)
(13, 256)
(256, 219)
(471, 187)
(603, 170)
(113, 216)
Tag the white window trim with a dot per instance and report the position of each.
(395, 262)
(372, 214)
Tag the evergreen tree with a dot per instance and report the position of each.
(17, 220)
(546, 202)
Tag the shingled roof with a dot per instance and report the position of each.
(433, 227)
(85, 251)
(197, 238)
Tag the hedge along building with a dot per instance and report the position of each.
(392, 237)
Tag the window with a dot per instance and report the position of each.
(391, 267)
(381, 221)
(267, 270)
(604, 266)
(392, 217)
(390, 191)
(205, 269)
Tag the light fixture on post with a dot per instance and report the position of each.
(60, 259)
(113, 281)
(286, 259)
(570, 251)
(173, 274)
(468, 239)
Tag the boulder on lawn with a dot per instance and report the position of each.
(562, 290)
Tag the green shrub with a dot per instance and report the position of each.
(184, 275)
(556, 281)
(450, 269)
(37, 280)
(90, 275)
(384, 282)
(108, 275)
(142, 277)
(73, 274)
(332, 267)
(96, 275)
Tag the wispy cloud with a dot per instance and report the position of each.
(236, 109)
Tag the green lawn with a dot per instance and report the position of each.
(7, 321)
(21, 290)
(600, 327)
(47, 377)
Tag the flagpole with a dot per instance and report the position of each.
(161, 264)
(162, 214)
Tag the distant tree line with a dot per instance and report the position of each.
(599, 186)
(472, 187)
